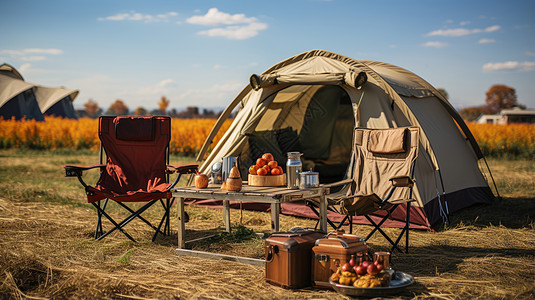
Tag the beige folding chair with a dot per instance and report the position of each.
(383, 177)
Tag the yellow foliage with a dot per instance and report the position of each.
(188, 135)
(513, 140)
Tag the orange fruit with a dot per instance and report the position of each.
(272, 164)
(260, 162)
(275, 171)
(267, 157)
(252, 170)
(261, 172)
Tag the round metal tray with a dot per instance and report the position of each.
(400, 281)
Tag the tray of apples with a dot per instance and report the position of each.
(368, 278)
(266, 172)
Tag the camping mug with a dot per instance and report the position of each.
(308, 179)
(227, 166)
(382, 258)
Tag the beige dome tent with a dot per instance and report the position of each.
(17, 98)
(311, 103)
(56, 101)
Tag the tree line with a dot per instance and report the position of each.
(119, 108)
(498, 97)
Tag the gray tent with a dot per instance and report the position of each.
(312, 101)
(56, 101)
(17, 98)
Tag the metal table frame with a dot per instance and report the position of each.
(273, 195)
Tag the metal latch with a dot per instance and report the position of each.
(322, 257)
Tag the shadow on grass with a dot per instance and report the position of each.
(433, 260)
(514, 213)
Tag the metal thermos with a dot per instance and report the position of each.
(217, 173)
(227, 166)
(293, 168)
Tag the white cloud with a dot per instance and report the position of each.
(486, 41)
(464, 23)
(236, 32)
(449, 32)
(435, 44)
(134, 16)
(492, 28)
(25, 68)
(51, 51)
(32, 58)
(511, 66)
(162, 84)
(214, 17)
(462, 31)
(237, 26)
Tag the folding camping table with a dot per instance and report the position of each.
(273, 195)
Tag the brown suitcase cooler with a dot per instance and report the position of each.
(288, 257)
(333, 251)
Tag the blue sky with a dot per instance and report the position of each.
(201, 53)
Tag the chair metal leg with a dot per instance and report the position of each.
(117, 226)
(98, 229)
(328, 221)
(165, 220)
(139, 211)
(135, 214)
(378, 228)
(408, 227)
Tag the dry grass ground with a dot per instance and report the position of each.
(47, 250)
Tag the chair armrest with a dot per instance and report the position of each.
(184, 169)
(338, 183)
(402, 181)
(75, 170)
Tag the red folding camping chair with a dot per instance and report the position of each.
(136, 170)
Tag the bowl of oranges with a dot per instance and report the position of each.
(266, 172)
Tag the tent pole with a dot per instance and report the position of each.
(444, 196)
(492, 178)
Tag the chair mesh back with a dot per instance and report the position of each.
(136, 154)
(381, 154)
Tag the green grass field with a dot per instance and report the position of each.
(47, 249)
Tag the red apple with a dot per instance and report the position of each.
(365, 264)
(380, 267)
(346, 267)
(360, 270)
(372, 269)
(201, 181)
(353, 261)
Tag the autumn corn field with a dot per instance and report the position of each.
(187, 135)
(514, 141)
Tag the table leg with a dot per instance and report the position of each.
(226, 214)
(181, 224)
(275, 212)
(323, 213)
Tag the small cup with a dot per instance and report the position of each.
(382, 258)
